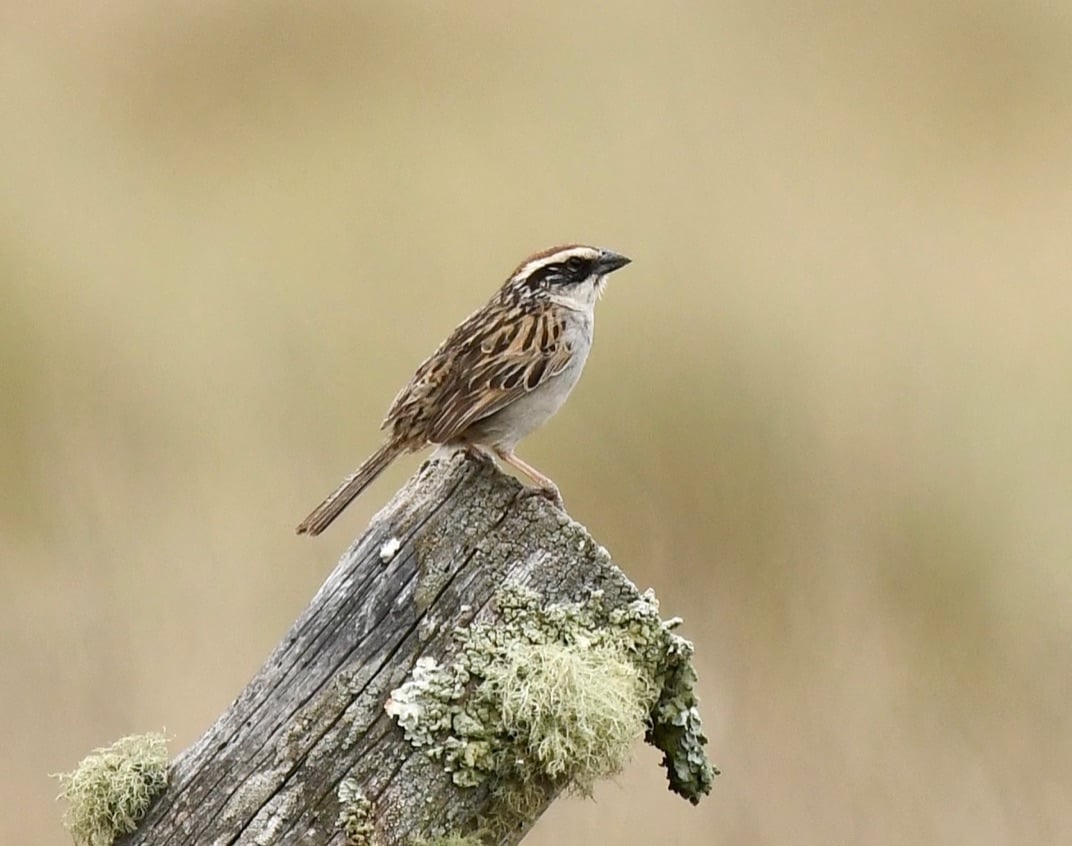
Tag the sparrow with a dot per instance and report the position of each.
(499, 376)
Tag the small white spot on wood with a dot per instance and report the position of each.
(389, 548)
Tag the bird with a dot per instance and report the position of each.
(499, 376)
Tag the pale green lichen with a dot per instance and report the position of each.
(355, 814)
(449, 840)
(555, 696)
(575, 711)
(113, 787)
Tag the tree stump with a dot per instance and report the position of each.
(471, 656)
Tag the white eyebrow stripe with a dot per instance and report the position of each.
(531, 267)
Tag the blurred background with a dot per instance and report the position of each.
(826, 416)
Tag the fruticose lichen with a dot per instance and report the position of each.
(355, 815)
(113, 787)
(552, 697)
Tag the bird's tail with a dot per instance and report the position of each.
(323, 515)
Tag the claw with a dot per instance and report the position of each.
(548, 492)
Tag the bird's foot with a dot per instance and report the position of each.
(548, 492)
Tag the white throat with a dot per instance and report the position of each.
(582, 298)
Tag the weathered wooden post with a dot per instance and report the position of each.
(471, 656)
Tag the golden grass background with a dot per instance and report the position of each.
(826, 417)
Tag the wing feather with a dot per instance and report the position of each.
(485, 365)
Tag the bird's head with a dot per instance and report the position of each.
(572, 275)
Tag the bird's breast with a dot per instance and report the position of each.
(530, 411)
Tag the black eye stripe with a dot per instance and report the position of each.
(571, 271)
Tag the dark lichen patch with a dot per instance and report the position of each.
(675, 727)
(355, 814)
(113, 787)
(553, 697)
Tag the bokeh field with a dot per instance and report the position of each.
(827, 416)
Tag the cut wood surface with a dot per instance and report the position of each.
(309, 754)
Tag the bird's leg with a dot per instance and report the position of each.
(479, 453)
(545, 486)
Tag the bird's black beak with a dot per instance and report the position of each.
(609, 262)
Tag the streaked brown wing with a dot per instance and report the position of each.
(481, 368)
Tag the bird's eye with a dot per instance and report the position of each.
(576, 264)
